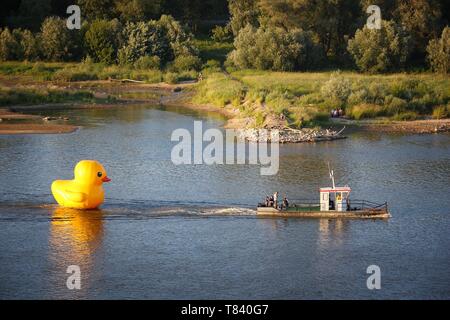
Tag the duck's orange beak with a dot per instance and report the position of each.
(106, 179)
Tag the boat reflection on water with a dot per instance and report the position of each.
(75, 235)
(331, 232)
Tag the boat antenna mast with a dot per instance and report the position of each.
(331, 175)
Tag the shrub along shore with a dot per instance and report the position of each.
(251, 99)
(260, 98)
(279, 99)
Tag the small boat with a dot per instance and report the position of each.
(334, 203)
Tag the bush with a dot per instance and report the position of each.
(212, 66)
(171, 77)
(30, 45)
(9, 47)
(359, 96)
(440, 112)
(380, 50)
(179, 38)
(439, 52)
(164, 38)
(148, 62)
(277, 101)
(405, 116)
(58, 42)
(273, 49)
(221, 34)
(365, 110)
(102, 39)
(137, 42)
(186, 63)
(149, 76)
(66, 75)
(31, 96)
(394, 105)
(308, 116)
(337, 88)
(220, 90)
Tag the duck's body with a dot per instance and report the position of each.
(71, 194)
(85, 191)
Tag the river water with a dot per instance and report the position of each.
(190, 231)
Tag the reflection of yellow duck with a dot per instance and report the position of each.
(75, 236)
(80, 228)
(85, 191)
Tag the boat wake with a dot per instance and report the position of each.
(121, 210)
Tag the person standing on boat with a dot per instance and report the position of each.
(285, 204)
(275, 200)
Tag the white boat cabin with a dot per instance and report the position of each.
(334, 198)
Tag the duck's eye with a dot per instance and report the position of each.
(99, 174)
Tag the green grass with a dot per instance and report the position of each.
(84, 71)
(9, 97)
(211, 50)
(37, 70)
(303, 99)
(220, 90)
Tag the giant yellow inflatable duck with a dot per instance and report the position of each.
(85, 191)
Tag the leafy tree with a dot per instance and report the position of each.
(164, 38)
(380, 50)
(273, 49)
(330, 20)
(337, 89)
(138, 10)
(97, 9)
(195, 13)
(9, 47)
(420, 18)
(58, 42)
(102, 40)
(29, 44)
(136, 42)
(243, 12)
(221, 33)
(439, 52)
(179, 38)
(387, 8)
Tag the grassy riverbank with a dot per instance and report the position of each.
(87, 71)
(251, 98)
(305, 99)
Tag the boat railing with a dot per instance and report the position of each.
(368, 205)
(303, 203)
(354, 204)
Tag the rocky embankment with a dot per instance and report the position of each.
(288, 135)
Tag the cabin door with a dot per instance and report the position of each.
(324, 201)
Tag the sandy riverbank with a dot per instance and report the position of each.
(178, 95)
(414, 126)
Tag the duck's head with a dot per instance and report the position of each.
(90, 172)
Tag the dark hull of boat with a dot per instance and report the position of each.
(358, 214)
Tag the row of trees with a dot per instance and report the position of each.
(30, 14)
(411, 33)
(268, 34)
(153, 42)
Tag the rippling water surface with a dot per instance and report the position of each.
(190, 231)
